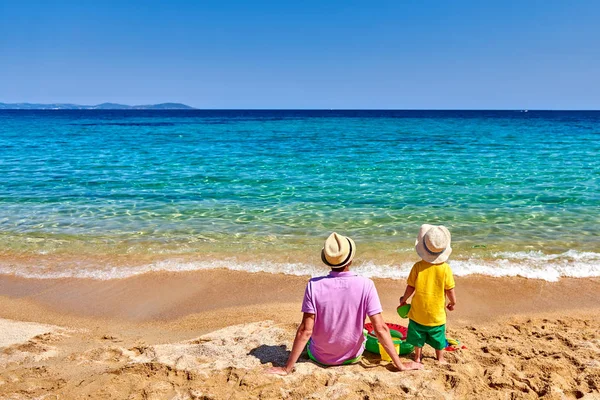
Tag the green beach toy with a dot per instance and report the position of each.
(398, 333)
(403, 310)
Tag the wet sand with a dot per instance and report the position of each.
(169, 296)
(210, 334)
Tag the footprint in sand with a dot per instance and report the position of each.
(109, 354)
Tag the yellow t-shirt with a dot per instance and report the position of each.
(428, 303)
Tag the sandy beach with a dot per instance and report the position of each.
(211, 334)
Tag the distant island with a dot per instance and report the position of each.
(103, 106)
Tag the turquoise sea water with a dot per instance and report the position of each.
(260, 190)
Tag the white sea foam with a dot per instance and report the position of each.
(534, 265)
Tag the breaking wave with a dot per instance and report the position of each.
(533, 265)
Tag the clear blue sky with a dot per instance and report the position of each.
(303, 54)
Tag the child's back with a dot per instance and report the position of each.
(430, 282)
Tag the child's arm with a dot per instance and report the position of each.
(452, 297)
(407, 293)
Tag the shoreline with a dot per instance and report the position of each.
(372, 263)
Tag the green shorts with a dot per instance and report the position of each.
(418, 335)
(347, 362)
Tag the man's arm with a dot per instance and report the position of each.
(452, 297)
(383, 334)
(407, 293)
(303, 334)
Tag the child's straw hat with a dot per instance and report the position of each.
(433, 243)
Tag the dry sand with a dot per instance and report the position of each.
(18, 332)
(211, 334)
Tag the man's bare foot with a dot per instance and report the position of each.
(442, 362)
(412, 366)
(277, 371)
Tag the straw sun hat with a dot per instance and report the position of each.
(433, 243)
(338, 251)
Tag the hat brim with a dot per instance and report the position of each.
(426, 255)
(352, 253)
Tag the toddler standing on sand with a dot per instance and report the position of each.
(430, 280)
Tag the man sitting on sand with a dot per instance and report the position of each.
(335, 307)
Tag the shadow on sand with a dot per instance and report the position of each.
(278, 355)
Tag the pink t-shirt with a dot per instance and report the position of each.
(340, 301)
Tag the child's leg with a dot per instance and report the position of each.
(439, 354)
(418, 354)
(436, 338)
(415, 338)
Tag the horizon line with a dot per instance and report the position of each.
(293, 109)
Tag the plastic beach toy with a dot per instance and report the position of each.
(403, 310)
(384, 355)
(398, 333)
(453, 345)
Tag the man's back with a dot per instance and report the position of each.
(340, 301)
